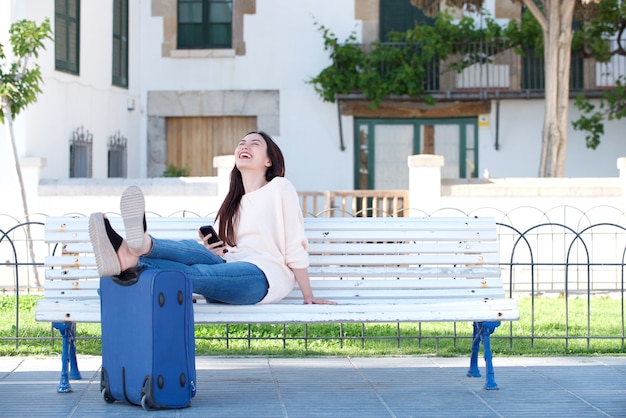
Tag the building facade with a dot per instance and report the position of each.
(134, 89)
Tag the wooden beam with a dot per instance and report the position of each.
(409, 109)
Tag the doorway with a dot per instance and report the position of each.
(382, 148)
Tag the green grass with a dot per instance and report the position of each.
(602, 336)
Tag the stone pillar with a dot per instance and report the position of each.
(224, 165)
(424, 184)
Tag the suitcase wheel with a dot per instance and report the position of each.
(145, 403)
(107, 396)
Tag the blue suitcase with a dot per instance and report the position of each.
(148, 347)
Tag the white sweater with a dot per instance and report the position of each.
(270, 234)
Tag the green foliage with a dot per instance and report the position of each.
(608, 20)
(173, 171)
(19, 83)
(525, 34)
(27, 303)
(342, 76)
(612, 106)
(401, 66)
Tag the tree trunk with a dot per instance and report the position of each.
(6, 105)
(556, 22)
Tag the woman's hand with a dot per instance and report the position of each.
(216, 248)
(304, 283)
(315, 301)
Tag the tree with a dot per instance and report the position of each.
(556, 23)
(19, 86)
(555, 18)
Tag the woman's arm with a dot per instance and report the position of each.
(302, 277)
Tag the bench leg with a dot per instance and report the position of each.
(482, 333)
(69, 367)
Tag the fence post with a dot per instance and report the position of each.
(424, 183)
(224, 165)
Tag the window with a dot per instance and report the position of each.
(120, 43)
(80, 153)
(400, 16)
(117, 156)
(67, 35)
(205, 24)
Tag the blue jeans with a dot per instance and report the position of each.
(236, 283)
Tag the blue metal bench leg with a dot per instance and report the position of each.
(69, 368)
(482, 333)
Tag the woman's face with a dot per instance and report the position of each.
(251, 153)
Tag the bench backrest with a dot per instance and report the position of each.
(383, 258)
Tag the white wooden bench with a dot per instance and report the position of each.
(377, 269)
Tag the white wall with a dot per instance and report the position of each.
(520, 127)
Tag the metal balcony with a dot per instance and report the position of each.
(492, 70)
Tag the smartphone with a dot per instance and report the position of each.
(208, 229)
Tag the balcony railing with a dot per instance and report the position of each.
(491, 69)
(360, 203)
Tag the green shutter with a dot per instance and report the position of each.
(120, 43)
(67, 35)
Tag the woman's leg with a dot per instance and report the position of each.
(211, 276)
(237, 283)
(187, 252)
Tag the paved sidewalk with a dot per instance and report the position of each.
(339, 387)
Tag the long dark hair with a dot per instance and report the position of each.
(228, 214)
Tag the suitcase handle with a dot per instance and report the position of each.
(127, 277)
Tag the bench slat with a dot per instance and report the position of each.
(406, 235)
(79, 261)
(333, 283)
(490, 310)
(343, 291)
(337, 272)
(68, 229)
(70, 223)
(410, 248)
(344, 296)
(406, 259)
(408, 272)
(330, 272)
(358, 248)
(346, 290)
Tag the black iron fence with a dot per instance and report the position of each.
(574, 257)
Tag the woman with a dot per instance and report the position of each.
(263, 247)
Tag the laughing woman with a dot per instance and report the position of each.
(262, 250)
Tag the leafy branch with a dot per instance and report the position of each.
(402, 66)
